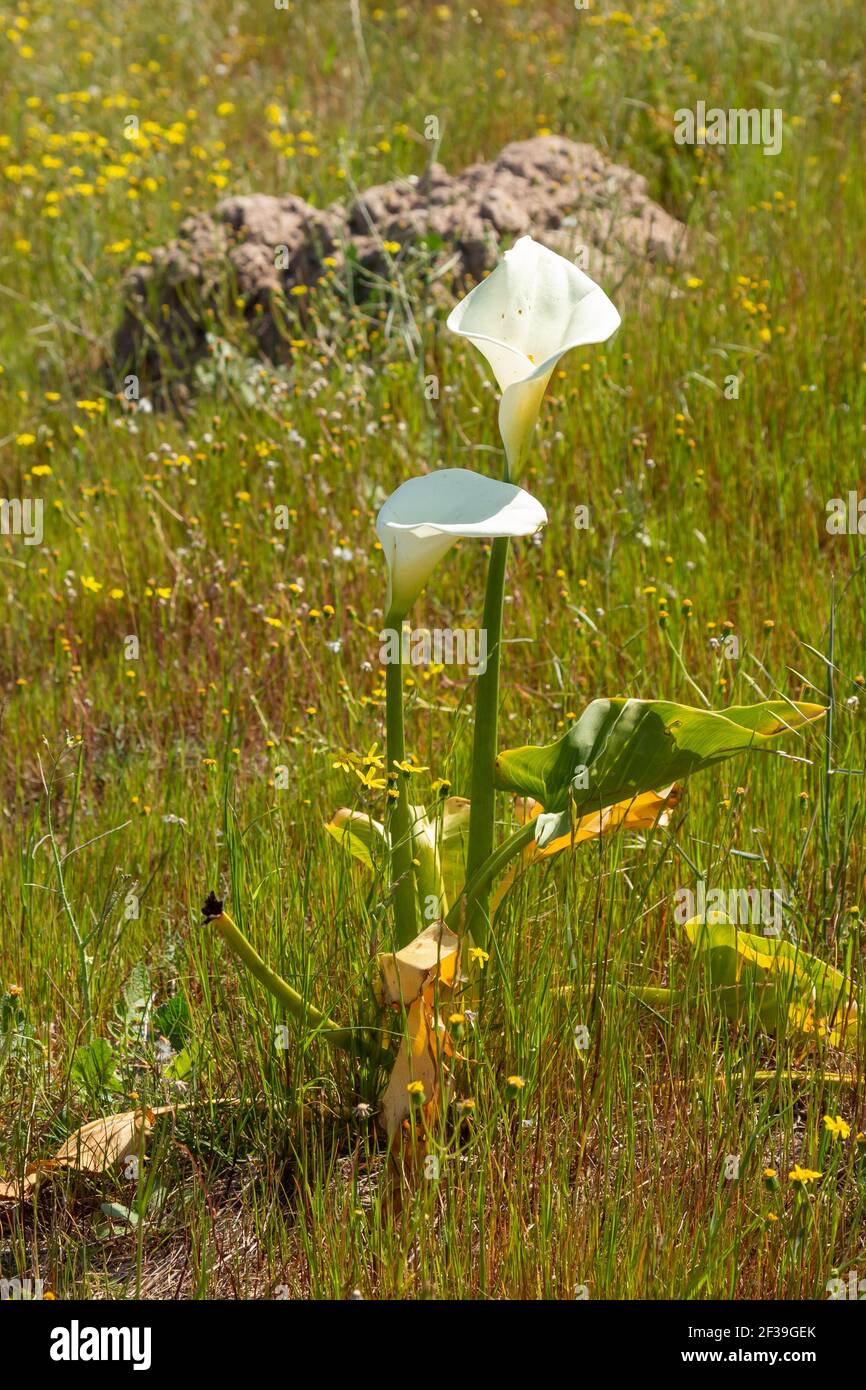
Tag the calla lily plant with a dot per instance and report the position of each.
(618, 766)
(417, 526)
(421, 521)
(533, 309)
(524, 317)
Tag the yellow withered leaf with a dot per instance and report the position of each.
(417, 1060)
(101, 1143)
(14, 1191)
(94, 1148)
(405, 972)
(411, 979)
(638, 813)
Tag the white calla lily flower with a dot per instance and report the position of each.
(421, 521)
(533, 308)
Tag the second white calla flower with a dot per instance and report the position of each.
(425, 516)
(531, 310)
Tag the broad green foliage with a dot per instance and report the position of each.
(621, 748)
(770, 981)
(364, 837)
(783, 987)
(438, 847)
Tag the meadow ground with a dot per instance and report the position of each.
(155, 775)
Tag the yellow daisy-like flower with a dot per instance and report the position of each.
(371, 758)
(369, 779)
(803, 1175)
(480, 956)
(835, 1125)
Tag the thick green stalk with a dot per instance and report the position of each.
(655, 994)
(483, 796)
(398, 822)
(479, 884)
(347, 1038)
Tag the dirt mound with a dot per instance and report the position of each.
(256, 248)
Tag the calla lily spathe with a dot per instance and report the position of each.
(531, 310)
(421, 521)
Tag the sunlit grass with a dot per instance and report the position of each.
(259, 650)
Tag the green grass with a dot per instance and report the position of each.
(608, 1168)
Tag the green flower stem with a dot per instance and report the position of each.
(398, 820)
(655, 994)
(482, 794)
(347, 1038)
(478, 886)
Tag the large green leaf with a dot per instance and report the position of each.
(364, 837)
(621, 748)
(767, 979)
(785, 986)
(438, 846)
(439, 839)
